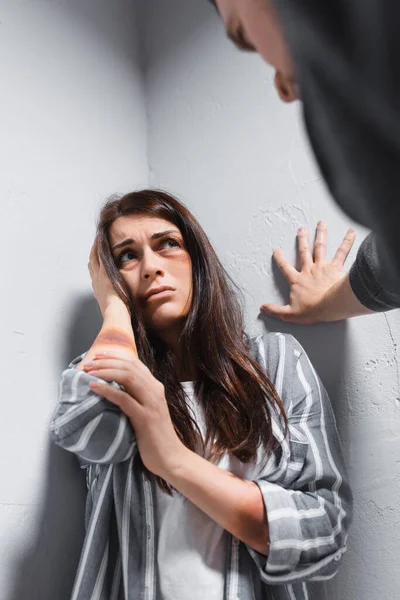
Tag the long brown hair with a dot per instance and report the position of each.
(236, 395)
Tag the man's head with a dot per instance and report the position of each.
(253, 25)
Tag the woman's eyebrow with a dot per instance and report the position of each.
(126, 242)
(161, 234)
(155, 236)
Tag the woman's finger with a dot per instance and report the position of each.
(303, 240)
(117, 355)
(124, 378)
(320, 243)
(343, 251)
(110, 363)
(126, 403)
(284, 265)
(133, 383)
(94, 255)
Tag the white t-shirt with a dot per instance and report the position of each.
(192, 547)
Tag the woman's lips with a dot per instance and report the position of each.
(159, 295)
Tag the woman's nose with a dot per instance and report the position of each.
(151, 267)
(152, 273)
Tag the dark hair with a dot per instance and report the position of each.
(236, 395)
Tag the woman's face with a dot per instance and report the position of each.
(151, 257)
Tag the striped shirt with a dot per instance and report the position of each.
(304, 485)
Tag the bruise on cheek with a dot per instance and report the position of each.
(115, 337)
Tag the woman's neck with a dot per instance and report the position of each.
(185, 373)
(185, 367)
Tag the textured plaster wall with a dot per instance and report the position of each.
(220, 138)
(73, 125)
(73, 130)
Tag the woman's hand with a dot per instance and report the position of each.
(103, 290)
(311, 287)
(116, 333)
(144, 403)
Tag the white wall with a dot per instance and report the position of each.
(73, 125)
(73, 130)
(220, 138)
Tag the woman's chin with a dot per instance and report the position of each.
(165, 318)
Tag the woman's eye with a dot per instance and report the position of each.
(171, 243)
(126, 256)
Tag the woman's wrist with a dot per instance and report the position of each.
(116, 332)
(113, 307)
(117, 326)
(176, 464)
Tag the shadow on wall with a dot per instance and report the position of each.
(326, 346)
(47, 570)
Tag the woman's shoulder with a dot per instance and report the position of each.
(269, 346)
(276, 353)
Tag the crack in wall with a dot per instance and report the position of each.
(395, 359)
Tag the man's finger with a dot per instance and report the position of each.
(303, 240)
(343, 251)
(284, 265)
(276, 310)
(320, 243)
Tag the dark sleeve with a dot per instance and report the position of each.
(368, 279)
(347, 62)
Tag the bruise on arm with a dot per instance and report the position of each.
(111, 338)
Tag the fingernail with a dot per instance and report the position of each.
(352, 231)
(92, 373)
(90, 363)
(264, 309)
(321, 224)
(301, 230)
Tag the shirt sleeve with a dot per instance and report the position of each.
(369, 280)
(309, 508)
(87, 424)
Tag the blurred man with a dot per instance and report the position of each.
(341, 57)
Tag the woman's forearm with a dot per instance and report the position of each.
(235, 504)
(116, 333)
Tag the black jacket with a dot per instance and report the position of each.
(347, 56)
